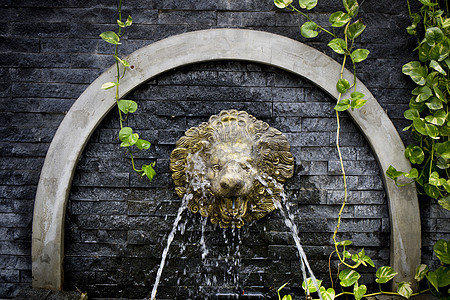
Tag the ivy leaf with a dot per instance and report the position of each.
(424, 50)
(357, 95)
(438, 118)
(412, 174)
(432, 131)
(308, 4)
(446, 23)
(348, 277)
(368, 260)
(308, 30)
(435, 65)
(143, 144)
(443, 164)
(124, 133)
(431, 191)
(446, 185)
(443, 149)
(445, 202)
(339, 19)
(385, 274)
(122, 61)
(433, 35)
(434, 104)
(149, 171)
(328, 294)
(432, 278)
(127, 106)
(440, 277)
(344, 104)
(421, 272)
(439, 93)
(357, 100)
(342, 85)
(311, 286)
(345, 243)
(416, 71)
(130, 141)
(411, 29)
(351, 6)
(355, 29)
(411, 114)
(129, 21)
(287, 297)
(419, 125)
(443, 274)
(434, 179)
(110, 37)
(404, 289)
(415, 154)
(359, 290)
(442, 251)
(338, 45)
(346, 254)
(392, 173)
(282, 3)
(358, 103)
(109, 85)
(359, 55)
(422, 92)
(120, 23)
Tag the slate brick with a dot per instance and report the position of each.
(10, 44)
(310, 109)
(186, 17)
(59, 75)
(353, 167)
(54, 52)
(41, 30)
(245, 19)
(9, 275)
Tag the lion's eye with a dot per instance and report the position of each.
(216, 168)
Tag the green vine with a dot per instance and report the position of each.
(428, 108)
(439, 152)
(129, 139)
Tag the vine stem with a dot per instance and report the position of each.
(116, 54)
(341, 161)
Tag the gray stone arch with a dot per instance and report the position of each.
(207, 45)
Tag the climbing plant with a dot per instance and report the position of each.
(128, 138)
(428, 107)
(431, 95)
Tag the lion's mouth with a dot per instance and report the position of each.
(233, 207)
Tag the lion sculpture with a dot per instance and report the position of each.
(233, 166)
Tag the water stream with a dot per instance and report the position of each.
(199, 184)
(289, 221)
(182, 208)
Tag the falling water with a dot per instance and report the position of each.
(183, 206)
(289, 222)
(205, 250)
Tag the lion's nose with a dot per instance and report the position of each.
(231, 184)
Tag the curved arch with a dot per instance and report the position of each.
(214, 44)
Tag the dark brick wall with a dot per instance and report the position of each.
(117, 225)
(50, 52)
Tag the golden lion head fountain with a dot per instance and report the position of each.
(233, 166)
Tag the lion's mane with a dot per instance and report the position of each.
(273, 162)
